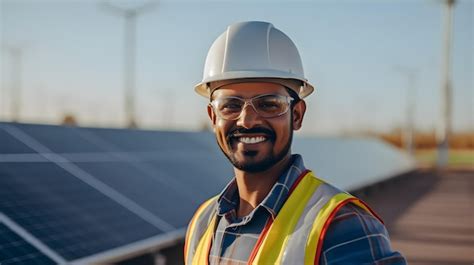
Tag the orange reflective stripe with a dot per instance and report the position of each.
(262, 236)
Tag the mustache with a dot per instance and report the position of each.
(255, 130)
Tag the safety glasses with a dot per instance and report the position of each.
(267, 106)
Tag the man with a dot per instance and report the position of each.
(274, 211)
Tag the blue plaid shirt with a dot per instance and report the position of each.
(354, 236)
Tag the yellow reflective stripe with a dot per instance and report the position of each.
(202, 251)
(271, 250)
(320, 220)
(192, 226)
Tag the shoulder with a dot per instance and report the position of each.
(357, 237)
(197, 227)
(206, 210)
(202, 216)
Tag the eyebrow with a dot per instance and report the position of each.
(258, 95)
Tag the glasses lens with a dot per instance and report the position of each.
(229, 108)
(266, 106)
(271, 105)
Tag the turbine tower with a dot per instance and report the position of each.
(16, 70)
(444, 129)
(130, 15)
(410, 108)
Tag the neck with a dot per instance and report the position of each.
(255, 186)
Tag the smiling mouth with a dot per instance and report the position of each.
(251, 140)
(250, 137)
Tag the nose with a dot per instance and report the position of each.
(248, 117)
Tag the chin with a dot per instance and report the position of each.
(252, 165)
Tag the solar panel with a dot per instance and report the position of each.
(172, 173)
(136, 140)
(63, 212)
(206, 175)
(78, 216)
(352, 163)
(16, 250)
(10, 145)
(60, 139)
(155, 191)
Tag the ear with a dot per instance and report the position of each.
(298, 114)
(211, 114)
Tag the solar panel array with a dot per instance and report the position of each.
(83, 191)
(79, 192)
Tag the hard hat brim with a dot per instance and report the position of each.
(303, 89)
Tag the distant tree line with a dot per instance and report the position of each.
(427, 140)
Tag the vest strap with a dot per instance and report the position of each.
(191, 235)
(204, 247)
(286, 221)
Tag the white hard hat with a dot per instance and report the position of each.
(253, 51)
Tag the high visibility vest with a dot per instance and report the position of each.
(294, 237)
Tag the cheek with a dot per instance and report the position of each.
(221, 129)
(282, 128)
(220, 123)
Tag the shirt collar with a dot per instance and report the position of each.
(229, 197)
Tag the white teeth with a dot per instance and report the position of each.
(252, 140)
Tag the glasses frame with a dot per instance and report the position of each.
(249, 102)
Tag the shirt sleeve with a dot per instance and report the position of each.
(356, 237)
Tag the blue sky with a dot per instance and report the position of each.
(351, 50)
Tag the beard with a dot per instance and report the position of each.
(262, 165)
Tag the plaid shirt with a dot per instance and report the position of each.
(354, 236)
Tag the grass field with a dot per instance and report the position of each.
(457, 157)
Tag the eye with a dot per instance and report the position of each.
(268, 105)
(230, 105)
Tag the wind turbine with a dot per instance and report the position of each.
(130, 15)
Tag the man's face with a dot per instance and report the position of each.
(253, 143)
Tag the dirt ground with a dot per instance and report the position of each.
(430, 215)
